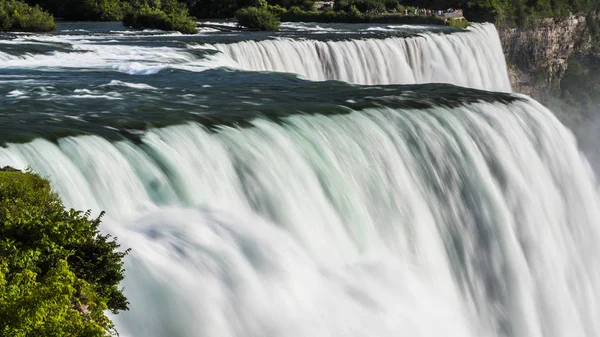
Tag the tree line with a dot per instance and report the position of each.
(181, 14)
(516, 12)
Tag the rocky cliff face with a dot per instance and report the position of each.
(537, 56)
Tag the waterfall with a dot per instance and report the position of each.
(472, 59)
(478, 220)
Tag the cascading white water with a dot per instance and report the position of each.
(473, 59)
(474, 221)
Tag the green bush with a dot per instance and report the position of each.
(86, 10)
(58, 273)
(521, 12)
(103, 10)
(258, 19)
(353, 12)
(172, 15)
(19, 16)
(276, 9)
(457, 23)
(368, 5)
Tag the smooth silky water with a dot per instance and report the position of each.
(330, 180)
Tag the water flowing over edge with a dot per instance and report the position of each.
(471, 59)
(475, 221)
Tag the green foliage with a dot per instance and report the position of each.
(512, 12)
(165, 15)
(593, 25)
(580, 85)
(276, 9)
(19, 16)
(258, 19)
(58, 273)
(103, 10)
(353, 15)
(522, 12)
(457, 23)
(368, 5)
(85, 10)
(221, 8)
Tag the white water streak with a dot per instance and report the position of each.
(474, 221)
(472, 59)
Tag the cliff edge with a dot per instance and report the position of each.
(537, 57)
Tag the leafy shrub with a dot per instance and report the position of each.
(257, 18)
(276, 9)
(5, 20)
(368, 5)
(19, 16)
(365, 5)
(458, 23)
(354, 12)
(103, 10)
(172, 15)
(58, 273)
(295, 10)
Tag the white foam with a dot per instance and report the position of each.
(472, 59)
(466, 222)
(15, 93)
(141, 86)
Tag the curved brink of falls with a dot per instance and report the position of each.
(473, 59)
(474, 221)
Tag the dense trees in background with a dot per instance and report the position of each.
(521, 12)
(84, 10)
(164, 14)
(19, 16)
(260, 18)
(58, 273)
(511, 12)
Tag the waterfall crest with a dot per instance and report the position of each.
(479, 220)
(471, 59)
